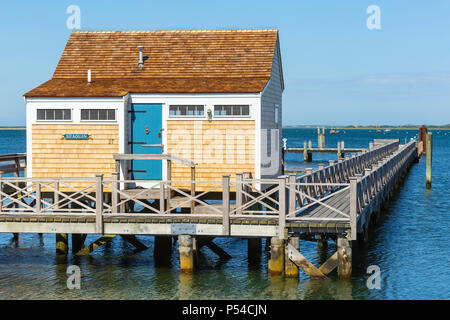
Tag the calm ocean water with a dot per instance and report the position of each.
(410, 246)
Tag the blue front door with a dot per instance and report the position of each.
(146, 138)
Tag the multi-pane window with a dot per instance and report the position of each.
(98, 114)
(231, 110)
(54, 114)
(186, 110)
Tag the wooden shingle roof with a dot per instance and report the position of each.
(221, 61)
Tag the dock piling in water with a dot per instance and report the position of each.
(344, 250)
(62, 243)
(429, 152)
(186, 249)
(276, 262)
(307, 155)
(290, 268)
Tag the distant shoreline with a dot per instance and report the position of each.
(368, 128)
(315, 127)
(13, 128)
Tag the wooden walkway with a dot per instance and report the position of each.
(337, 200)
(317, 201)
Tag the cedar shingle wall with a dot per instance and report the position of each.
(219, 148)
(55, 157)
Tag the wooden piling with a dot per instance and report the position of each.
(77, 242)
(290, 268)
(307, 156)
(62, 243)
(423, 137)
(276, 262)
(1, 190)
(344, 250)
(321, 241)
(162, 249)
(340, 153)
(429, 159)
(185, 247)
(254, 248)
(305, 151)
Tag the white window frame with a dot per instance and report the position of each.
(54, 120)
(99, 120)
(277, 115)
(187, 115)
(232, 116)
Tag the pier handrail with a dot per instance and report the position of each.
(376, 179)
(320, 184)
(169, 157)
(13, 162)
(364, 176)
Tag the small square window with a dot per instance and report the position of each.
(41, 114)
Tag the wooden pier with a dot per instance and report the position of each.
(335, 202)
(308, 150)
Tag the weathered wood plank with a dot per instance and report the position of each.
(304, 263)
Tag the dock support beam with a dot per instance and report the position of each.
(276, 262)
(290, 268)
(186, 249)
(62, 243)
(344, 250)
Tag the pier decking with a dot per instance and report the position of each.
(336, 201)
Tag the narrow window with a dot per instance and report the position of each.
(98, 114)
(54, 114)
(231, 110)
(277, 115)
(186, 111)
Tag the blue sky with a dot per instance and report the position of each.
(336, 70)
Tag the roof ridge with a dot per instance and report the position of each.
(176, 31)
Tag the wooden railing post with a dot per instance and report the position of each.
(239, 177)
(169, 184)
(115, 192)
(56, 196)
(1, 190)
(99, 203)
(226, 204)
(162, 198)
(292, 196)
(309, 179)
(38, 197)
(282, 207)
(192, 188)
(353, 206)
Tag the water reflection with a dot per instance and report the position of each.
(410, 240)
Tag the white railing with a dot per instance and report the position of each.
(283, 201)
